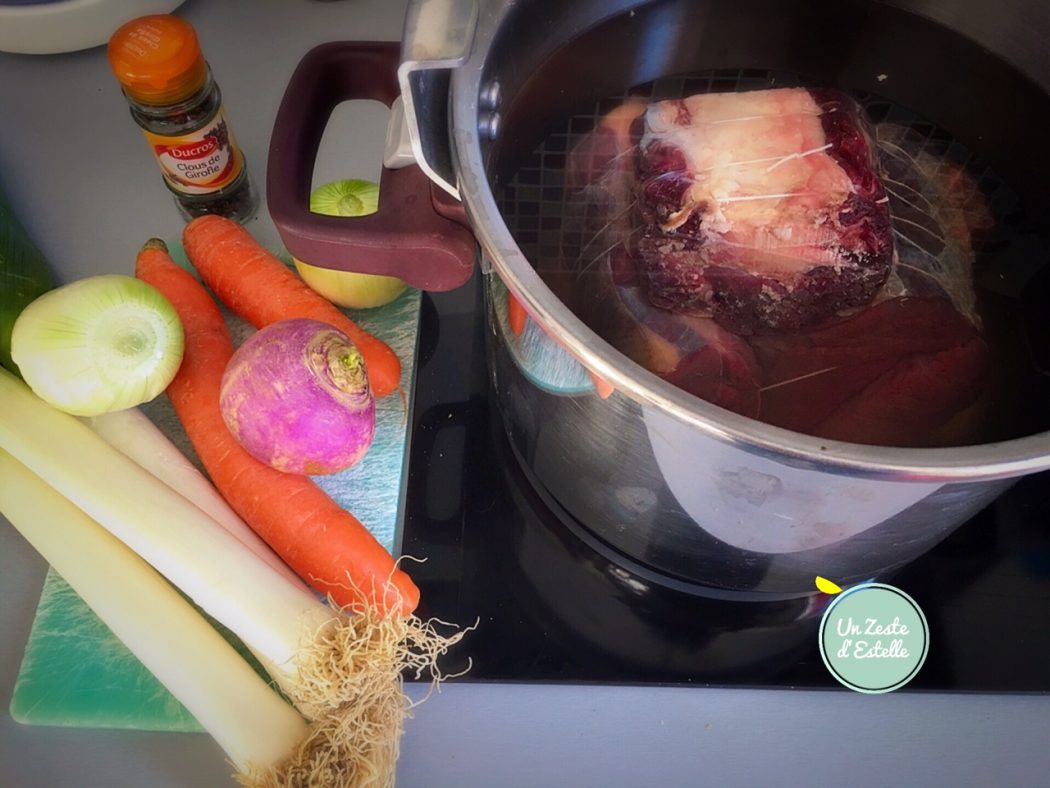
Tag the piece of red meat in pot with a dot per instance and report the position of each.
(689, 351)
(904, 372)
(760, 208)
(693, 353)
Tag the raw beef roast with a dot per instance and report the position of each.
(790, 310)
(761, 208)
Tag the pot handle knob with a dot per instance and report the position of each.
(415, 235)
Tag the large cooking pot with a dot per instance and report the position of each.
(671, 481)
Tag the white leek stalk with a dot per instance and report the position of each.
(131, 432)
(252, 724)
(210, 565)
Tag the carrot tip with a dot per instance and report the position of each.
(602, 387)
(154, 244)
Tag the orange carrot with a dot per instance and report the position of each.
(326, 545)
(261, 289)
(516, 314)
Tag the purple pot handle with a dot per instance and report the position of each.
(407, 237)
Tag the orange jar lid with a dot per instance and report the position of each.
(157, 59)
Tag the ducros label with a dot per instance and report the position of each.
(202, 162)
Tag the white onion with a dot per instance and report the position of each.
(98, 345)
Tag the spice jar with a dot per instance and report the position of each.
(173, 98)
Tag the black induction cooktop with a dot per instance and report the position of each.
(552, 603)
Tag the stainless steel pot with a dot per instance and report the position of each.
(671, 481)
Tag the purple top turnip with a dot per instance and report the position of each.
(296, 396)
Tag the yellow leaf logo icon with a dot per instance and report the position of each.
(826, 586)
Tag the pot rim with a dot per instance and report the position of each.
(998, 460)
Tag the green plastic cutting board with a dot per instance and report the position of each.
(76, 673)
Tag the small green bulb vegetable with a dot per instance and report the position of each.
(350, 197)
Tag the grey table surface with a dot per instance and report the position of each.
(78, 173)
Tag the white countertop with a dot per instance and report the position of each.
(78, 174)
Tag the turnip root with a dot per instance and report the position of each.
(296, 396)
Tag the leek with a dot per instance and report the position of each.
(131, 432)
(345, 673)
(253, 725)
(210, 565)
(24, 276)
(99, 344)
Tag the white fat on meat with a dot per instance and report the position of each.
(760, 172)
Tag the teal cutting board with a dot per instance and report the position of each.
(76, 673)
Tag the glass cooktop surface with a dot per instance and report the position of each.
(554, 604)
